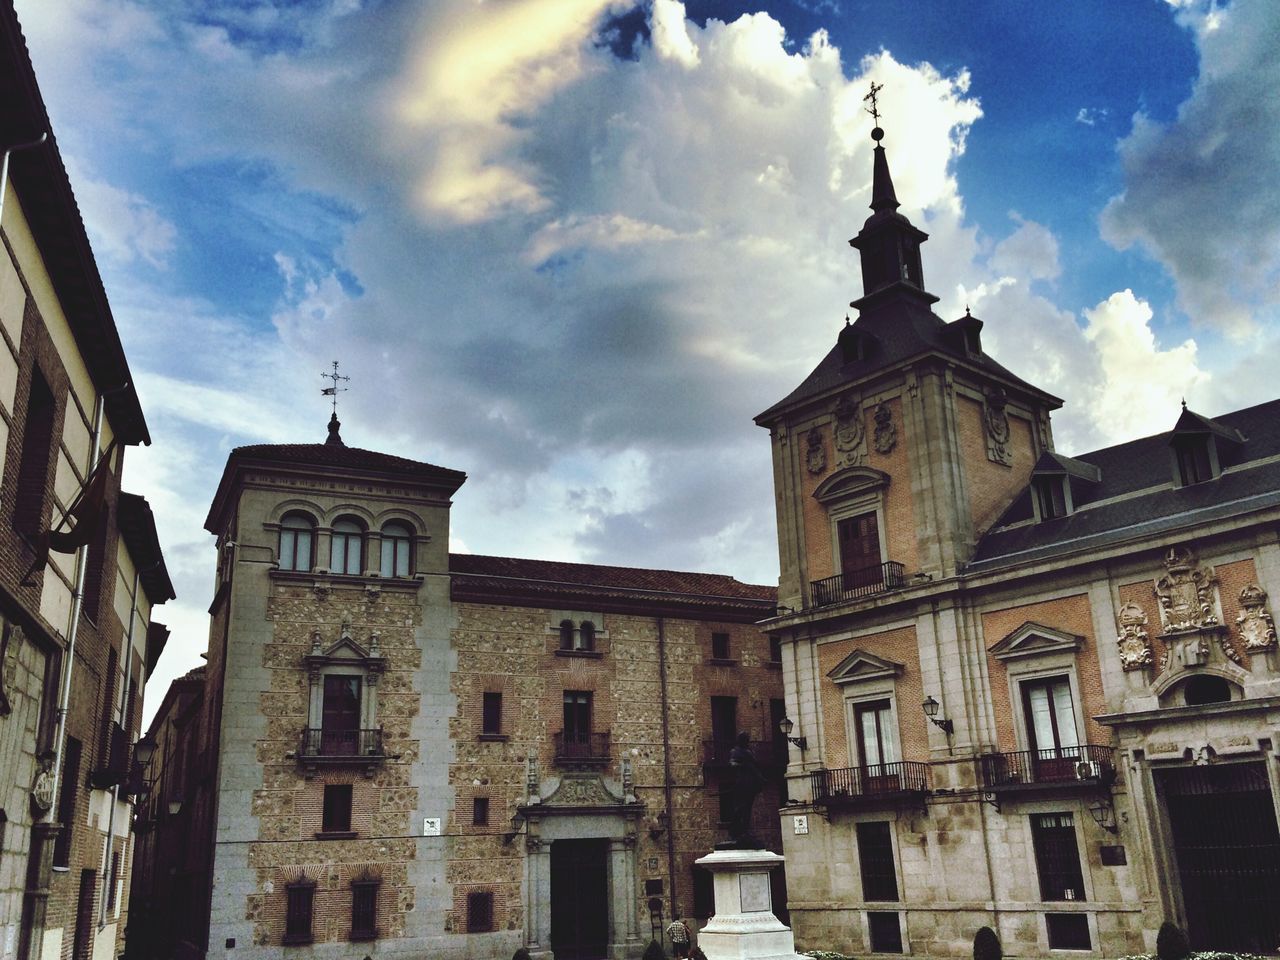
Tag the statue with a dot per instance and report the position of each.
(746, 780)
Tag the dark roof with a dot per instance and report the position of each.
(896, 331)
(138, 528)
(195, 673)
(42, 185)
(548, 582)
(335, 456)
(1135, 495)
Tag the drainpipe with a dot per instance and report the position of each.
(666, 764)
(4, 164)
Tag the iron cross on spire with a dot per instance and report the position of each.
(874, 109)
(334, 390)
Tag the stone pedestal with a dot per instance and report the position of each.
(744, 927)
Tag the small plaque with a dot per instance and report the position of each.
(753, 890)
(653, 863)
(431, 826)
(800, 824)
(1113, 855)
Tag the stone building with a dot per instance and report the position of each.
(80, 564)
(1036, 692)
(449, 755)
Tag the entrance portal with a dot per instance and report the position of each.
(1227, 846)
(580, 899)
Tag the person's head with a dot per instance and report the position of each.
(744, 740)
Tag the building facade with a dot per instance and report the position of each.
(80, 563)
(1037, 693)
(447, 755)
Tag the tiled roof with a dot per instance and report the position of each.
(338, 455)
(195, 673)
(544, 581)
(1135, 495)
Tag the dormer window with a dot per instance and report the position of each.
(1051, 496)
(1194, 463)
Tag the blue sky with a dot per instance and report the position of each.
(573, 246)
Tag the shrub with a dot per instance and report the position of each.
(986, 945)
(521, 954)
(1171, 942)
(654, 951)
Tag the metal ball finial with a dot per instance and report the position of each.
(877, 134)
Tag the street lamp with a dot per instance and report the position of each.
(144, 749)
(930, 707)
(786, 726)
(175, 805)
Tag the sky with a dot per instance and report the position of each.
(572, 247)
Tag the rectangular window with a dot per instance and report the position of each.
(1051, 717)
(874, 725)
(577, 716)
(337, 808)
(875, 858)
(113, 878)
(340, 718)
(724, 719)
(720, 646)
(364, 909)
(108, 709)
(37, 452)
(1068, 931)
(491, 723)
(480, 811)
(859, 551)
(1193, 460)
(67, 801)
(885, 932)
(479, 912)
(82, 944)
(1053, 836)
(775, 649)
(1050, 497)
(299, 901)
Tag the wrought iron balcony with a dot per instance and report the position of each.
(882, 783)
(581, 747)
(715, 754)
(341, 746)
(888, 576)
(1087, 765)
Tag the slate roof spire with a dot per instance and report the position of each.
(883, 196)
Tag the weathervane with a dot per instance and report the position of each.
(334, 390)
(874, 109)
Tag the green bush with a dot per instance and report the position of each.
(986, 945)
(1171, 942)
(654, 951)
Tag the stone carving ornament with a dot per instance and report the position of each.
(1186, 592)
(1135, 645)
(998, 433)
(815, 456)
(1256, 628)
(851, 433)
(13, 638)
(886, 436)
(42, 785)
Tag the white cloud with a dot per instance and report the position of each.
(123, 225)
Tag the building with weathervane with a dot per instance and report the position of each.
(1035, 692)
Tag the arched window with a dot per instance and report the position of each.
(346, 547)
(566, 634)
(587, 635)
(396, 541)
(295, 542)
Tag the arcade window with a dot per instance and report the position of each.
(296, 534)
(346, 546)
(298, 911)
(480, 912)
(397, 539)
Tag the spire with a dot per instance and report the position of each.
(882, 195)
(334, 439)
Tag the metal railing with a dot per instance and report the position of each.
(582, 746)
(877, 780)
(318, 742)
(889, 575)
(1086, 763)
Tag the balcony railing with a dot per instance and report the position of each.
(581, 747)
(715, 753)
(1084, 764)
(864, 583)
(321, 744)
(881, 781)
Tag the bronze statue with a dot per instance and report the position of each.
(746, 780)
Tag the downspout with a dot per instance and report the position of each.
(4, 164)
(667, 787)
(73, 627)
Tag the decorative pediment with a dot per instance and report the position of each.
(345, 651)
(583, 791)
(850, 482)
(860, 666)
(1034, 639)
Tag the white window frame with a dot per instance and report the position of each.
(1036, 652)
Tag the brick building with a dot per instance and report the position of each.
(447, 755)
(1037, 692)
(77, 641)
